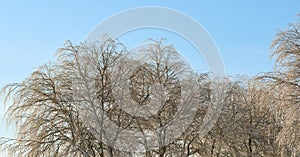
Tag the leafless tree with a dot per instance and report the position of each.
(44, 110)
(285, 83)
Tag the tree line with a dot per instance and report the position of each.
(54, 114)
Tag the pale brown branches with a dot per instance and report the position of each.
(85, 102)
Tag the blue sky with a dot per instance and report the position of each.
(31, 31)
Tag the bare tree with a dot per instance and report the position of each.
(285, 83)
(44, 110)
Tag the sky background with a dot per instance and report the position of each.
(31, 31)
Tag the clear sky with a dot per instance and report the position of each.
(31, 31)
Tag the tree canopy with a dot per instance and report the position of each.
(58, 109)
